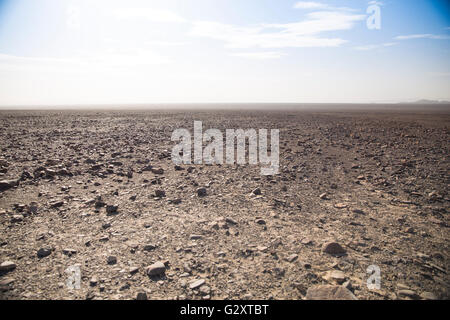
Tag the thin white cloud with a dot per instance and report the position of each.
(309, 5)
(375, 46)
(268, 55)
(306, 33)
(154, 15)
(107, 61)
(157, 43)
(312, 5)
(423, 36)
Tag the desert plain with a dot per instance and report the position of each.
(96, 190)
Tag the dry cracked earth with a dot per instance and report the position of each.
(97, 191)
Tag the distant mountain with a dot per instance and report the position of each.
(425, 101)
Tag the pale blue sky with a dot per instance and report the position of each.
(140, 51)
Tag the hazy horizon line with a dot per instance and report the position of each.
(421, 104)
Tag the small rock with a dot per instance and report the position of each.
(348, 285)
(93, 282)
(7, 266)
(408, 293)
(126, 286)
(5, 282)
(260, 221)
(111, 260)
(69, 252)
(257, 192)
(141, 296)
(160, 193)
(428, 296)
(57, 204)
(150, 247)
(196, 284)
(112, 209)
(175, 201)
(133, 270)
(44, 252)
(157, 170)
(156, 269)
(333, 248)
(329, 292)
(335, 276)
(292, 257)
(231, 221)
(17, 218)
(32, 208)
(7, 184)
(279, 272)
(201, 192)
(205, 290)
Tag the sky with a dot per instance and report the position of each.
(70, 52)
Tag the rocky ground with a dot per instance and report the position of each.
(98, 190)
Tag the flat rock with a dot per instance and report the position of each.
(408, 293)
(335, 276)
(133, 270)
(231, 221)
(329, 292)
(292, 257)
(7, 266)
(428, 296)
(196, 284)
(323, 196)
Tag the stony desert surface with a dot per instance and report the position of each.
(98, 190)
